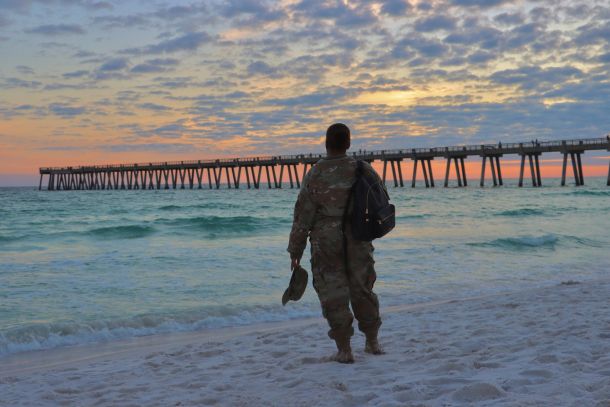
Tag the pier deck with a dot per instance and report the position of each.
(208, 173)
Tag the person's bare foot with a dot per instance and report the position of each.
(372, 346)
(344, 356)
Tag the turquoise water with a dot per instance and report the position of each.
(86, 266)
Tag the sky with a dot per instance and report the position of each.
(88, 81)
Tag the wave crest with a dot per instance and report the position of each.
(122, 232)
(521, 242)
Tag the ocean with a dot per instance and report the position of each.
(88, 266)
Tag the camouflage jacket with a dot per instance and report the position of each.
(322, 198)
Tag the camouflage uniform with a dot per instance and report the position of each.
(318, 214)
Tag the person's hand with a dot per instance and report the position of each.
(294, 261)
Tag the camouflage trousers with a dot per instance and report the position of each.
(338, 287)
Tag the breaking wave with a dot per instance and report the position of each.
(122, 232)
(214, 226)
(521, 242)
(49, 336)
(521, 212)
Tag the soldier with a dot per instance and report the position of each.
(318, 214)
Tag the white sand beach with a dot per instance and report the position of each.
(540, 347)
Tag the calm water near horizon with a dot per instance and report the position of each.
(86, 266)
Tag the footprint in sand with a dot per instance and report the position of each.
(477, 392)
(544, 374)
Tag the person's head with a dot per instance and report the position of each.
(337, 138)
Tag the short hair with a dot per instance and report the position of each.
(338, 137)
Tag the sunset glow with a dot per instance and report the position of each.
(86, 81)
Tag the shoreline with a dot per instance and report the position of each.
(540, 346)
(65, 356)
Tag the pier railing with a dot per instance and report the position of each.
(192, 173)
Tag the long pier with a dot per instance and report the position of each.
(208, 173)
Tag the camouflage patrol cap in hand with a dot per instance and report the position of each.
(296, 288)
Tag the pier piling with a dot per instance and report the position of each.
(163, 174)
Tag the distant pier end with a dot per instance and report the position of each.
(208, 173)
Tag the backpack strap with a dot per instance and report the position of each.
(359, 173)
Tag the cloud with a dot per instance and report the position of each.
(174, 148)
(395, 7)
(177, 12)
(4, 22)
(337, 11)
(323, 97)
(75, 74)
(478, 3)
(9, 83)
(187, 42)
(261, 68)
(24, 69)
(154, 107)
(114, 64)
(534, 77)
(65, 110)
(435, 23)
(155, 65)
(509, 18)
(56, 29)
(23, 6)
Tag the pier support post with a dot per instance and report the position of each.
(538, 175)
(500, 181)
(577, 168)
(237, 180)
(143, 176)
(296, 177)
(274, 175)
(414, 173)
(580, 173)
(228, 177)
(608, 183)
(199, 173)
(425, 171)
(191, 173)
(268, 177)
(304, 172)
(464, 179)
(281, 175)
(493, 171)
(430, 172)
(166, 176)
(392, 163)
(290, 176)
(564, 168)
(447, 169)
(402, 184)
(40, 184)
(521, 170)
(174, 178)
(483, 171)
(532, 170)
(158, 174)
(182, 172)
(258, 178)
(217, 175)
(385, 166)
(457, 171)
(247, 177)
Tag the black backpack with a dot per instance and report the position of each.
(373, 216)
